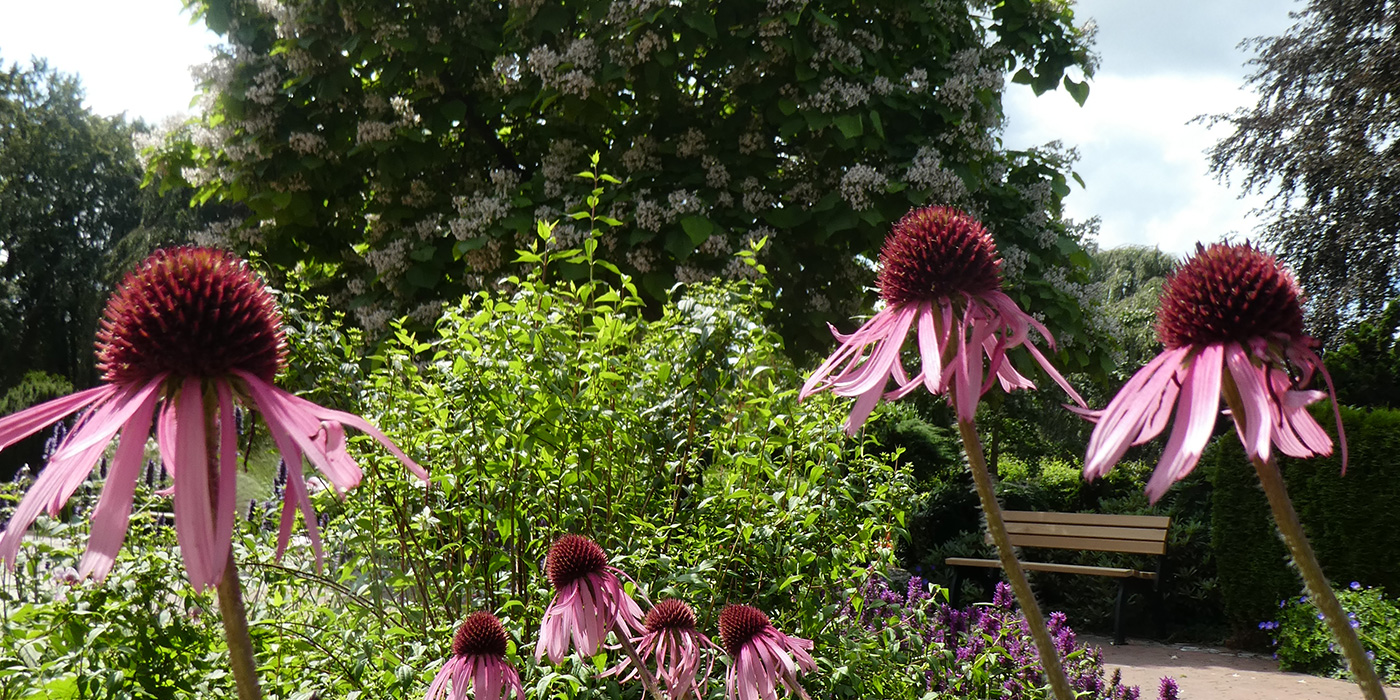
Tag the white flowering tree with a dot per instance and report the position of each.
(407, 148)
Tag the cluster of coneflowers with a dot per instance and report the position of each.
(191, 336)
(664, 649)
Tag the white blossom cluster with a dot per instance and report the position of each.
(373, 317)
(833, 48)
(506, 69)
(716, 175)
(649, 214)
(404, 110)
(567, 72)
(641, 259)
(217, 234)
(837, 94)
(287, 16)
(803, 194)
(560, 165)
(265, 85)
(373, 131)
(756, 199)
(687, 274)
(477, 212)
(426, 313)
(390, 261)
(859, 183)
(1083, 294)
(566, 233)
(641, 156)
(684, 202)
(750, 142)
(621, 12)
(691, 143)
(300, 61)
(717, 244)
(1013, 261)
(926, 172)
(306, 143)
(738, 269)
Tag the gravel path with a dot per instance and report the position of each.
(1204, 673)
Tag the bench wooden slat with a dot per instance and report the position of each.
(1109, 571)
(1029, 516)
(1108, 533)
(1089, 543)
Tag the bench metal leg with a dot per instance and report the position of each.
(1118, 608)
(956, 588)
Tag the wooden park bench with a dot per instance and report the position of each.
(1129, 534)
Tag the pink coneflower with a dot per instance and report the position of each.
(186, 336)
(589, 601)
(1232, 322)
(677, 647)
(762, 657)
(939, 273)
(478, 663)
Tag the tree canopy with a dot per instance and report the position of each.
(68, 192)
(1324, 140)
(402, 151)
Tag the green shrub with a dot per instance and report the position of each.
(1350, 520)
(1304, 643)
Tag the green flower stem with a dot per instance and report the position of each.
(1286, 519)
(240, 645)
(1318, 588)
(642, 672)
(1049, 655)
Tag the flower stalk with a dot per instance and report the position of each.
(240, 644)
(648, 681)
(1045, 646)
(1319, 590)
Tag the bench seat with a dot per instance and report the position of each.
(1125, 534)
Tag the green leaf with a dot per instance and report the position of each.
(698, 228)
(1079, 91)
(850, 125)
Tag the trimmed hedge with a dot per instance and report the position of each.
(1353, 521)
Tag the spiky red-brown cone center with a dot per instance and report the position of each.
(571, 558)
(192, 312)
(937, 252)
(670, 614)
(738, 624)
(480, 634)
(1228, 293)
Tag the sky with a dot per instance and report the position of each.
(1142, 160)
(1144, 164)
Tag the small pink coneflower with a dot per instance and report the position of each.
(762, 657)
(189, 334)
(478, 663)
(673, 642)
(1231, 321)
(589, 600)
(940, 275)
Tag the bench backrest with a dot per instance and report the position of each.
(1131, 534)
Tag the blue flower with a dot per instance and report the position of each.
(1355, 585)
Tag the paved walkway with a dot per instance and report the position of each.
(1217, 674)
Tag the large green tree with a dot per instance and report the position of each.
(68, 184)
(1324, 141)
(404, 150)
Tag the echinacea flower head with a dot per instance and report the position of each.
(478, 663)
(939, 276)
(762, 657)
(589, 600)
(188, 335)
(1231, 321)
(676, 647)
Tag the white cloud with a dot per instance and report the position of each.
(132, 56)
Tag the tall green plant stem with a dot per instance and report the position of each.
(1318, 588)
(647, 679)
(1286, 519)
(230, 592)
(240, 645)
(1049, 655)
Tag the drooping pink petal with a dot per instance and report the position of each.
(1122, 420)
(1199, 405)
(931, 344)
(296, 487)
(226, 507)
(113, 513)
(1311, 360)
(17, 426)
(194, 513)
(1250, 381)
